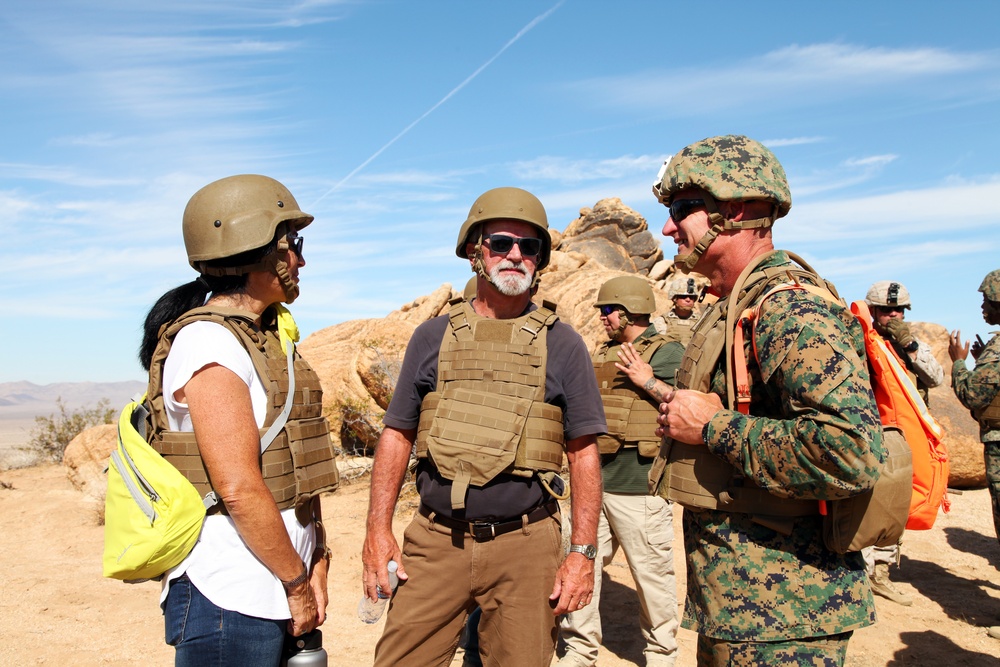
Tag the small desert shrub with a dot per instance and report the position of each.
(52, 434)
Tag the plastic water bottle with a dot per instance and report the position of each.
(369, 611)
(305, 651)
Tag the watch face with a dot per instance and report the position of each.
(590, 552)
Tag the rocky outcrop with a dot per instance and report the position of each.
(965, 451)
(612, 235)
(86, 456)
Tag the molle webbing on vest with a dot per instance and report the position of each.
(488, 414)
(630, 411)
(989, 417)
(299, 463)
(691, 474)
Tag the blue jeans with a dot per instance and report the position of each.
(203, 634)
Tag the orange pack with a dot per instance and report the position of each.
(900, 405)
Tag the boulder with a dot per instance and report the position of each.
(614, 235)
(86, 457)
(965, 450)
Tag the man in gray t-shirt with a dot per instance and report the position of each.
(492, 395)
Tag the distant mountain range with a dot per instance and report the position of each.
(23, 398)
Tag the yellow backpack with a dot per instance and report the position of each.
(152, 513)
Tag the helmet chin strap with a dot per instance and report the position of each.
(478, 265)
(685, 263)
(623, 322)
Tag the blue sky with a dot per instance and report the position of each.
(387, 118)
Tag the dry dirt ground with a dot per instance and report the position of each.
(56, 609)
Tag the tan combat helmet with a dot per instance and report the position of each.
(504, 204)
(683, 286)
(238, 214)
(632, 294)
(728, 168)
(990, 287)
(887, 293)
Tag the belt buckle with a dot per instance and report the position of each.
(483, 531)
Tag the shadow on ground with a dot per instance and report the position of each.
(921, 644)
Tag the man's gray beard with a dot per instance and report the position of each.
(510, 285)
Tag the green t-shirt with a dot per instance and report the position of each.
(625, 472)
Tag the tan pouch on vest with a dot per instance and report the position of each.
(878, 516)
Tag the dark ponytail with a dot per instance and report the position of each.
(178, 301)
(181, 299)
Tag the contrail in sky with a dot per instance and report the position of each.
(521, 33)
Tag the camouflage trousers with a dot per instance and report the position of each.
(991, 451)
(828, 651)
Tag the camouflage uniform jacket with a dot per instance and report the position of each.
(978, 388)
(813, 432)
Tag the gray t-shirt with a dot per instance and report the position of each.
(569, 383)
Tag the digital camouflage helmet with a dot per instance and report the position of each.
(683, 286)
(727, 168)
(990, 287)
(887, 293)
(503, 204)
(238, 214)
(632, 294)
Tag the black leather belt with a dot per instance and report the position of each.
(484, 531)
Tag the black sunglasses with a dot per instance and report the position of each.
(682, 208)
(295, 243)
(606, 310)
(502, 244)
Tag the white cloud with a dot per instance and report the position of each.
(566, 170)
(941, 211)
(791, 75)
(792, 141)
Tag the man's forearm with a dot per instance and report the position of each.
(392, 455)
(585, 481)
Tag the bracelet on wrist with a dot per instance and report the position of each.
(302, 578)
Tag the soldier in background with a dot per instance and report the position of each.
(763, 589)
(635, 369)
(979, 390)
(678, 322)
(888, 301)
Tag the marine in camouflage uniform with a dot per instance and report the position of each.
(768, 594)
(979, 390)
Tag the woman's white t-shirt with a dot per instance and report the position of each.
(221, 565)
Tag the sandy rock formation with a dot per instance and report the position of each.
(965, 451)
(86, 456)
(613, 235)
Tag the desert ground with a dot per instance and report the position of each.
(56, 609)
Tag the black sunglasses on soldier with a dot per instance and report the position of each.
(502, 244)
(682, 208)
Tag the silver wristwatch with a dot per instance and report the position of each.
(588, 550)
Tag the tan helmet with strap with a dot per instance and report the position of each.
(239, 214)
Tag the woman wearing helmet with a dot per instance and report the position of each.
(224, 382)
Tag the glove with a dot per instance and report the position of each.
(900, 332)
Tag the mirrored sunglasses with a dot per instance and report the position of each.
(607, 309)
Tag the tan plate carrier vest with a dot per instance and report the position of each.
(300, 462)
(694, 477)
(630, 412)
(487, 414)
